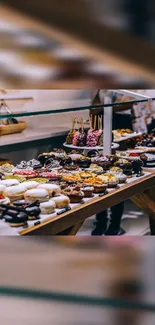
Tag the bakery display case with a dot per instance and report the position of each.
(54, 192)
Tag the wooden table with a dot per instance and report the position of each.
(141, 191)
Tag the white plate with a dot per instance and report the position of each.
(113, 146)
(127, 137)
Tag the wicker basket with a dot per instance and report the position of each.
(13, 128)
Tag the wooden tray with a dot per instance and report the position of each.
(13, 128)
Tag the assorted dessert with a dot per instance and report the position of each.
(80, 137)
(56, 179)
(94, 136)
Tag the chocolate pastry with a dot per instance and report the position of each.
(16, 221)
(125, 165)
(71, 167)
(84, 162)
(82, 140)
(112, 158)
(42, 158)
(143, 157)
(137, 165)
(33, 212)
(21, 203)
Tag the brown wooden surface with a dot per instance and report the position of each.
(58, 224)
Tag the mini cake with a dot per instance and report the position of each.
(74, 193)
(33, 212)
(61, 201)
(125, 165)
(47, 207)
(93, 153)
(52, 189)
(9, 182)
(37, 194)
(71, 167)
(30, 184)
(84, 162)
(87, 190)
(75, 156)
(15, 192)
(102, 161)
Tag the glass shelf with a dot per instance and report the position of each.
(76, 299)
(67, 110)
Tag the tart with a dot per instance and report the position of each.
(87, 190)
(84, 162)
(74, 193)
(99, 185)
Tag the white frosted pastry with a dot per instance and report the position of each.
(47, 207)
(2, 188)
(37, 194)
(53, 190)
(122, 178)
(30, 184)
(15, 192)
(61, 201)
(9, 182)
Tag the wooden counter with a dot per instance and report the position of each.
(140, 191)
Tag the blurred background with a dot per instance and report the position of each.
(67, 280)
(77, 44)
